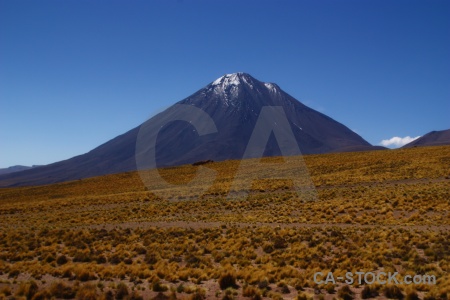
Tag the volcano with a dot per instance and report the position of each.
(433, 138)
(233, 102)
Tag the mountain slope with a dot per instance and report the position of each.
(114, 156)
(433, 138)
(234, 102)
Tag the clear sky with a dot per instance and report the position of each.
(74, 73)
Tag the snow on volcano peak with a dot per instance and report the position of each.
(271, 87)
(228, 85)
(227, 80)
(217, 81)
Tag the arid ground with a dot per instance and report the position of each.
(111, 237)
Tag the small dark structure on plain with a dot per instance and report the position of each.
(202, 162)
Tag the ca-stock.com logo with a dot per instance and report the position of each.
(271, 120)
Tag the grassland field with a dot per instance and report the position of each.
(111, 237)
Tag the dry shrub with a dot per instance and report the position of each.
(264, 284)
(229, 295)
(6, 291)
(158, 287)
(87, 291)
(303, 296)
(393, 292)
(412, 295)
(227, 280)
(140, 249)
(199, 294)
(122, 291)
(13, 273)
(268, 247)
(160, 296)
(345, 293)
(285, 289)
(135, 296)
(42, 295)
(61, 260)
(83, 274)
(252, 292)
(101, 259)
(108, 296)
(330, 288)
(369, 292)
(280, 243)
(275, 295)
(27, 289)
(59, 289)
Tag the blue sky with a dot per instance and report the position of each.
(74, 74)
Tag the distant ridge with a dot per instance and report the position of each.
(15, 169)
(433, 138)
(233, 102)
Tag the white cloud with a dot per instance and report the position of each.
(396, 141)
